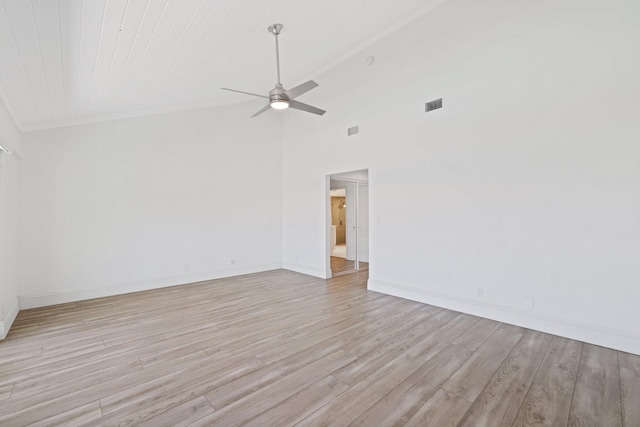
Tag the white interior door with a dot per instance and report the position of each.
(351, 220)
(363, 222)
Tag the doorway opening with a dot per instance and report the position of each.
(348, 217)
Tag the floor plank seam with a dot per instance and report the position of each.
(489, 336)
(402, 380)
(524, 401)
(573, 395)
(489, 380)
(337, 379)
(209, 402)
(142, 364)
(622, 407)
(350, 353)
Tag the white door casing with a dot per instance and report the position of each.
(363, 222)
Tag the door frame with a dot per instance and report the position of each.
(354, 177)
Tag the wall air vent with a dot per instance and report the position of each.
(433, 105)
(352, 130)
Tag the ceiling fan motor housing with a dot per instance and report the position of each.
(278, 94)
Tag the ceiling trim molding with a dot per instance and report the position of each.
(57, 124)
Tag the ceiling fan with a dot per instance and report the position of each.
(279, 97)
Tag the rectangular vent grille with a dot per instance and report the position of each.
(352, 130)
(433, 105)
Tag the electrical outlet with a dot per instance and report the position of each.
(480, 292)
(187, 267)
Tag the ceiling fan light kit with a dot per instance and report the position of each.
(279, 105)
(279, 97)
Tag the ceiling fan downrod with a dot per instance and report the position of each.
(275, 30)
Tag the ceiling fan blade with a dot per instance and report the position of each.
(305, 107)
(300, 89)
(262, 110)
(246, 93)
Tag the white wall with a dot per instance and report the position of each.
(126, 205)
(526, 185)
(8, 221)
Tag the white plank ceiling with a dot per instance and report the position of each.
(75, 61)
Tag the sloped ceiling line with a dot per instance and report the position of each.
(66, 62)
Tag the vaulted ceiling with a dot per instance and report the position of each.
(73, 61)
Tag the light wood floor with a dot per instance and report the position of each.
(341, 266)
(280, 348)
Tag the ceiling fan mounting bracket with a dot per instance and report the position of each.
(275, 29)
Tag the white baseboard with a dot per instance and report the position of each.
(605, 336)
(311, 271)
(7, 319)
(34, 301)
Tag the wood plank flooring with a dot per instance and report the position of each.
(280, 348)
(341, 266)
